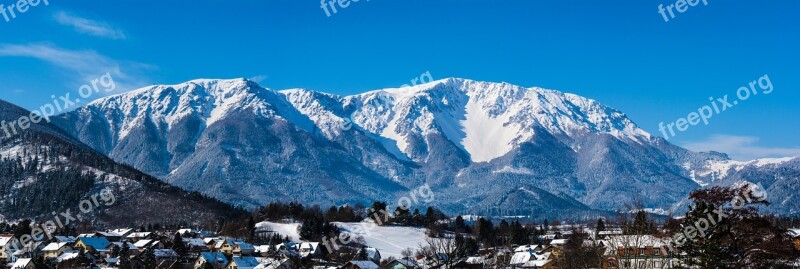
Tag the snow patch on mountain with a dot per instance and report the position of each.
(721, 169)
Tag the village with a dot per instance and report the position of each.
(198, 249)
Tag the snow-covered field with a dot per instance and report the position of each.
(285, 229)
(390, 241)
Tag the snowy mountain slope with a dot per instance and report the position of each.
(476, 143)
(488, 123)
(230, 139)
(42, 170)
(486, 120)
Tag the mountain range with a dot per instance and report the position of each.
(482, 147)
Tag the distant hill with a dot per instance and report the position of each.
(44, 170)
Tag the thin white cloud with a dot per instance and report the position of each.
(258, 79)
(740, 147)
(86, 64)
(87, 26)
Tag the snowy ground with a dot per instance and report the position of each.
(284, 229)
(390, 241)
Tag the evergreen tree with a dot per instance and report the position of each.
(178, 245)
(362, 255)
(125, 256)
(601, 226)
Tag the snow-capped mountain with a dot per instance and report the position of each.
(480, 145)
(231, 139)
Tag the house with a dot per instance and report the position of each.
(122, 232)
(243, 263)
(795, 234)
(94, 245)
(360, 265)
(527, 248)
(236, 247)
(133, 250)
(465, 264)
(148, 243)
(217, 260)
(165, 256)
(404, 263)
(31, 250)
(68, 255)
(6, 247)
(531, 259)
(53, 250)
(310, 249)
(23, 264)
(263, 250)
(374, 255)
(186, 231)
(243, 248)
(205, 234)
(211, 243)
(195, 243)
(111, 261)
(64, 239)
(135, 237)
(108, 235)
(637, 251)
(271, 263)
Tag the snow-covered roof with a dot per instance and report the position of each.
(527, 248)
(794, 233)
(21, 263)
(165, 253)
(558, 242)
(214, 257)
(528, 256)
(408, 262)
(130, 245)
(54, 246)
(4, 239)
(139, 235)
(66, 239)
(143, 243)
(365, 264)
(68, 255)
(373, 253)
(98, 243)
(476, 260)
(245, 262)
(122, 232)
(197, 242)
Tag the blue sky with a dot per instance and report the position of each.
(621, 53)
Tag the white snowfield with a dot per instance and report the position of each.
(389, 240)
(284, 229)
